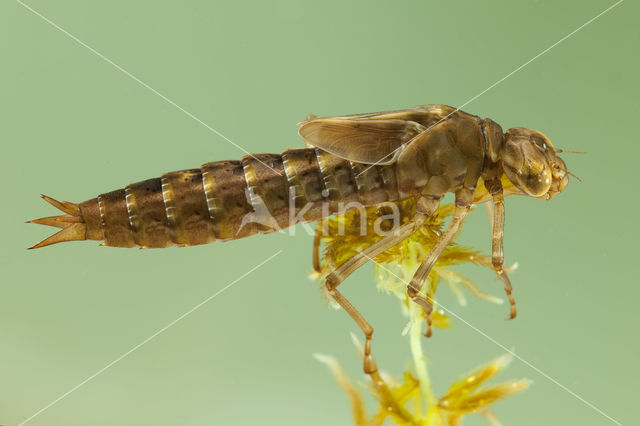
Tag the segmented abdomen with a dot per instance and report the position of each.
(233, 199)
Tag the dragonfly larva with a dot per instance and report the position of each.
(422, 153)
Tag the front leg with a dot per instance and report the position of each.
(463, 205)
(497, 253)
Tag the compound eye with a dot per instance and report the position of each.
(538, 180)
(527, 167)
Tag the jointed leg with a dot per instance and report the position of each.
(497, 254)
(316, 253)
(415, 286)
(335, 278)
(369, 363)
(370, 367)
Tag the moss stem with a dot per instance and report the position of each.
(419, 360)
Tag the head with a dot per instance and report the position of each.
(529, 160)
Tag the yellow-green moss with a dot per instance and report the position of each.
(410, 400)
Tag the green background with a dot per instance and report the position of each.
(74, 126)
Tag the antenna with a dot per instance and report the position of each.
(579, 180)
(568, 151)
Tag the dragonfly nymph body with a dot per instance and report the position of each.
(367, 159)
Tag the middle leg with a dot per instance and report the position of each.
(415, 286)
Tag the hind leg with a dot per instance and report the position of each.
(316, 253)
(335, 278)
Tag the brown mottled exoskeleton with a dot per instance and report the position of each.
(422, 153)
